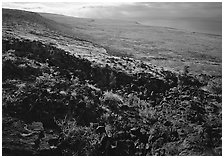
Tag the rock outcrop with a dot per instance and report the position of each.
(66, 96)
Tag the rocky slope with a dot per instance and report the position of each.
(162, 46)
(66, 96)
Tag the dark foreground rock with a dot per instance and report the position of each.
(57, 101)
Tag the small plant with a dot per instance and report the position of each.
(77, 140)
(112, 100)
(133, 100)
(186, 70)
(147, 112)
(109, 96)
(215, 86)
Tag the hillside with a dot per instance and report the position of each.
(65, 95)
(166, 47)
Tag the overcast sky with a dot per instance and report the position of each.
(200, 17)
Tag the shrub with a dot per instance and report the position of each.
(77, 140)
(109, 96)
(216, 86)
(112, 100)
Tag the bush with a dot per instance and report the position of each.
(109, 96)
(112, 100)
(216, 86)
(77, 140)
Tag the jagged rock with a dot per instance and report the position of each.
(168, 123)
(50, 80)
(30, 137)
(100, 129)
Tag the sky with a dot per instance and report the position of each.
(191, 16)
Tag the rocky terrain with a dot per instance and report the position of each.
(63, 95)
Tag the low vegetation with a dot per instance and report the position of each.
(55, 103)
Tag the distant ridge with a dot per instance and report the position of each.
(9, 14)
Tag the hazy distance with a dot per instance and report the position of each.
(205, 17)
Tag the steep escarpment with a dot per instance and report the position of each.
(65, 96)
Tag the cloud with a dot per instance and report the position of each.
(130, 10)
